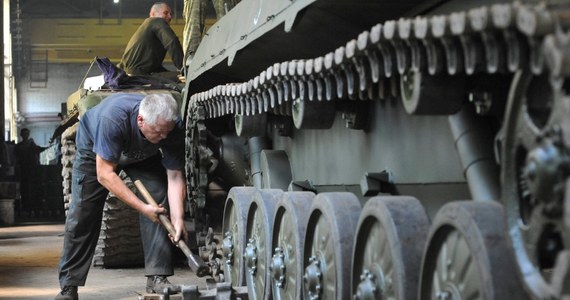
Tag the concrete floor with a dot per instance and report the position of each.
(29, 256)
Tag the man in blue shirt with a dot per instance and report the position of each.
(144, 136)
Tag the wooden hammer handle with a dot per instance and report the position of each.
(164, 220)
(195, 262)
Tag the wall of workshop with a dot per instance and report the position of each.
(40, 106)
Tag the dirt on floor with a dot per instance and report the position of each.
(29, 256)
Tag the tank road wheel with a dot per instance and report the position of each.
(328, 246)
(257, 253)
(535, 177)
(424, 94)
(313, 114)
(467, 255)
(275, 169)
(234, 228)
(250, 125)
(287, 243)
(387, 254)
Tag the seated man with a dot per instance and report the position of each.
(147, 47)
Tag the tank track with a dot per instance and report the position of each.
(196, 169)
(486, 40)
(68, 150)
(414, 60)
(119, 243)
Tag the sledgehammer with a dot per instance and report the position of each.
(194, 262)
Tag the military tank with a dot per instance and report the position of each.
(384, 149)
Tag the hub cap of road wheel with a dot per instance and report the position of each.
(367, 289)
(228, 248)
(278, 267)
(313, 278)
(251, 256)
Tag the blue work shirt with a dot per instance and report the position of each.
(110, 130)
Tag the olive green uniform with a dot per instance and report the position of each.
(148, 46)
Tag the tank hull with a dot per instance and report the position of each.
(446, 110)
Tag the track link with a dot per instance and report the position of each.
(494, 39)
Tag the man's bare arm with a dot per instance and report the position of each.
(111, 181)
(176, 197)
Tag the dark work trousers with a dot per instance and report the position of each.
(83, 223)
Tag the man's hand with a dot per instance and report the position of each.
(176, 197)
(152, 212)
(181, 78)
(181, 232)
(107, 176)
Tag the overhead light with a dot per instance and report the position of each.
(116, 1)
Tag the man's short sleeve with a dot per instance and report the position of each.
(173, 150)
(108, 140)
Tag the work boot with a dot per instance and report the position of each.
(67, 293)
(156, 284)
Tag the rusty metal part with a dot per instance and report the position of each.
(195, 262)
(221, 291)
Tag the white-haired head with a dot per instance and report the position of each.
(159, 106)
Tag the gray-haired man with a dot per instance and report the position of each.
(145, 137)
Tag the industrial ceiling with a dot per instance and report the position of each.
(90, 8)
